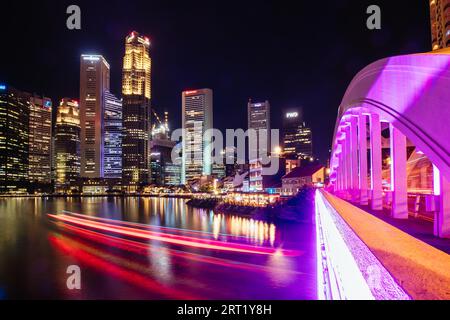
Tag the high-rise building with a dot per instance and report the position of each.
(112, 163)
(297, 138)
(259, 120)
(136, 124)
(440, 23)
(40, 140)
(197, 117)
(14, 139)
(94, 82)
(67, 145)
(172, 168)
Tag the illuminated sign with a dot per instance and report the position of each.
(2, 87)
(258, 104)
(292, 115)
(48, 103)
(190, 92)
(91, 58)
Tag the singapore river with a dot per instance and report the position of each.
(149, 248)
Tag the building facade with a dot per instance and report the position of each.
(94, 81)
(136, 121)
(40, 140)
(296, 136)
(259, 120)
(197, 117)
(112, 145)
(67, 145)
(440, 23)
(14, 134)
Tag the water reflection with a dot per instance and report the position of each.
(210, 260)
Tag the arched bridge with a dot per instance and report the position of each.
(409, 97)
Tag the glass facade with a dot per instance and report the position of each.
(197, 118)
(67, 145)
(14, 140)
(40, 140)
(136, 122)
(113, 136)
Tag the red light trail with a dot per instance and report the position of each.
(173, 239)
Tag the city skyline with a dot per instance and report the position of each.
(180, 65)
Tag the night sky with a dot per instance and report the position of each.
(293, 53)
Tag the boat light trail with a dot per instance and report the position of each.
(174, 239)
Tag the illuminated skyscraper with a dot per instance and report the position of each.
(94, 82)
(112, 163)
(40, 140)
(67, 144)
(297, 138)
(14, 139)
(259, 120)
(197, 117)
(440, 23)
(136, 92)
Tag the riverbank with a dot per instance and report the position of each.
(298, 209)
(156, 195)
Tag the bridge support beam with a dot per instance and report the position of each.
(398, 174)
(354, 159)
(442, 217)
(362, 139)
(375, 162)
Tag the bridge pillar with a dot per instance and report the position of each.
(362, 139)
(354, 159)
(398, 174)
(442, 217)
(375, 162)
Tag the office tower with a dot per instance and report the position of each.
(160, 156)
(136, 92)
(197, 117)
(297, 138)
(440, 23)
(40, 140)
(259, 120)
(14, 139)
(112, 163)
(172, 168)
(67, 145)
(94, 81)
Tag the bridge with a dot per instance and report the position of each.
(394, 113)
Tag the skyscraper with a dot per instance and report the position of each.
(94, 82)
(197, 117)
(440, 23)
(297, 138)
(40, 140)
(14, 139)
(112, 163)
(67, 144)
(136, 92)
(259, 120)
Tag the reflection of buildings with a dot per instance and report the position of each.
(67, 144)
(14, 117)
(197, 117)
(297, 138)
(40, 140)
(259, 120)
(136, 92)
(94, 82)
(440, 23)
(112, 163)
